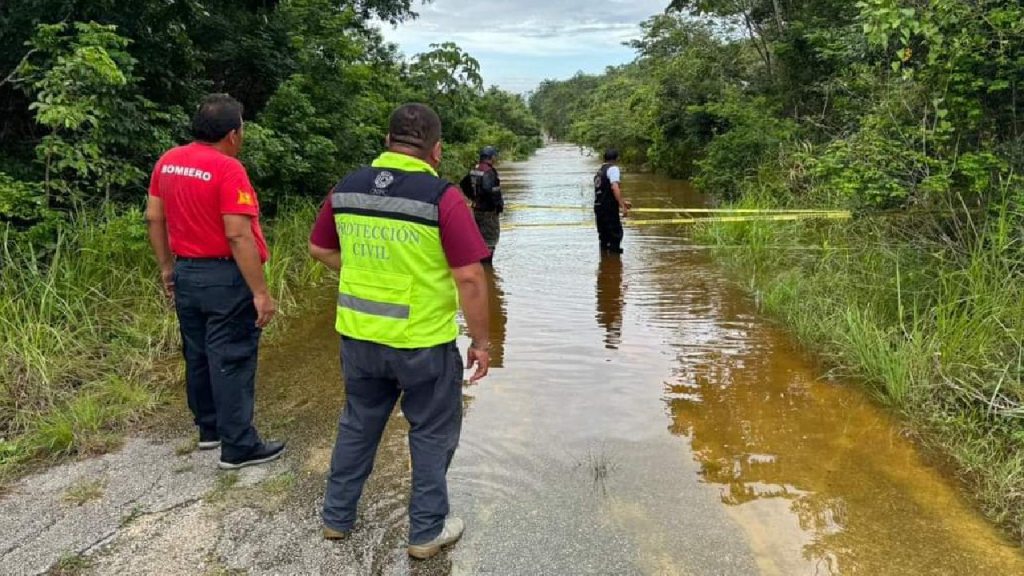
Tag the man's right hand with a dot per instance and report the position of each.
(265, 309)
(626, 205)
(471, 281)
(167, 277)
(480, 358)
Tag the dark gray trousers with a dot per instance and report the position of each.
(220, 342)
(429, 382)
(489, 224)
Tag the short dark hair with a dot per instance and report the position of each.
(217, 116)
(611, 155)
(415, 126)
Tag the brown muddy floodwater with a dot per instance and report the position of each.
(642, 418)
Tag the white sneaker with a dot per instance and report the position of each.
(452, 531)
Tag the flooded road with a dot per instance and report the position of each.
(641, 418)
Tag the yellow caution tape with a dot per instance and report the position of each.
(772, 217)
(549, 225)
(545, 207)
(686, 210)
(734, 211)
(837, 215)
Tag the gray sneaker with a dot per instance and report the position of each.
(452, 531)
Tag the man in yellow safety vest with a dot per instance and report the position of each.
(408, 251)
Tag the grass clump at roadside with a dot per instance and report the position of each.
(85, 491)
(85, 331)
(927, 308)
(70, 565)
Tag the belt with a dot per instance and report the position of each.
(210, 259)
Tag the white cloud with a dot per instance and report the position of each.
(520, 43)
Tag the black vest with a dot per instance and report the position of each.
(391, 183)
(472, 187)
(604, 198)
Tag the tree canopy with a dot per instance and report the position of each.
(876, 103)
(91, 92)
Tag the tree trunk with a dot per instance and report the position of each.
(46, 179)
(778, 15)
(1013, 108)
(763, 49)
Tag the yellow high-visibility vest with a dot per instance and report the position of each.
(396, 287)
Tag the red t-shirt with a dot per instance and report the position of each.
(199, 185)
(463, 245)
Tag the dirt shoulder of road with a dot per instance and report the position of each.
(163, 507)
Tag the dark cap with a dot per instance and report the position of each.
(488, 152)
(611, 155)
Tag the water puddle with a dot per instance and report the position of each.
(640, 419)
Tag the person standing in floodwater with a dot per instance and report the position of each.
(483, 187)
(609, 203)
(407, 251)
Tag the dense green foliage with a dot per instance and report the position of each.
(91, 92)
(908, 112)
(881, 103)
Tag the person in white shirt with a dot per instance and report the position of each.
(609, 203)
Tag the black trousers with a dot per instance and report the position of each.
(220, 342)
(609, 228)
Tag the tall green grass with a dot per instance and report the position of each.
(85, 330)
(926, 309)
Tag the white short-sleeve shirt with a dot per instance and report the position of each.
(614, 175)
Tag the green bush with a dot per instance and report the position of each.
(749, 138)
(21, 202)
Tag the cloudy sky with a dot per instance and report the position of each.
(520, 43)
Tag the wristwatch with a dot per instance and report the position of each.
(485, 348)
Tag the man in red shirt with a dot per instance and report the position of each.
(204, 227)
(408, 252)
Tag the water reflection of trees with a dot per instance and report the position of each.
(787, 451)
(762, 429)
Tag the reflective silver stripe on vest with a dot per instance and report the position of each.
(373, 308)
(405, 206)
